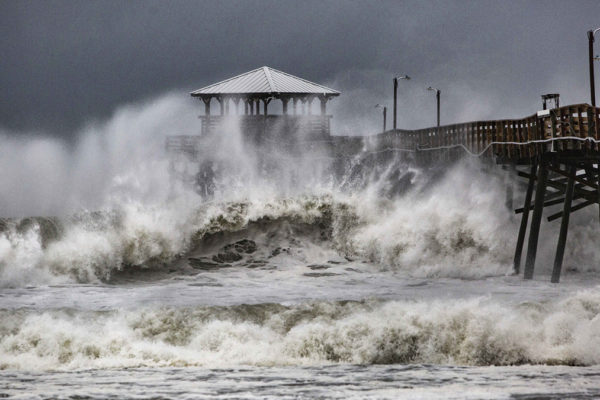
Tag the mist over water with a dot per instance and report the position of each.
(110, 258)
(110, 203)
(111, 161)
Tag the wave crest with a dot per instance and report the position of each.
(462, 332)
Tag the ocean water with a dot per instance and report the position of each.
(289, 282)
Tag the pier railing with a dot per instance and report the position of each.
(573, 127)
(256, 127)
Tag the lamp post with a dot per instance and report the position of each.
(384, 114)
(396, 94)
(591, 59)
(437, 95)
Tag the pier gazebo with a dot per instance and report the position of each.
(259, 87)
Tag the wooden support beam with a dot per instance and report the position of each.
(564, 226)
(546, 204)
(524, 218)
(577, 178)
(524, 174)
(586, 194)
(578, 207)
(536, 219)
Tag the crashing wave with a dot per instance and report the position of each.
(456, 228)
(461, 332)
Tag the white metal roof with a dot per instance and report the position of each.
(265, 80)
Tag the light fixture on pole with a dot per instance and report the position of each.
(437, 95)
(396, 94)
(592, 58)
(384, 114)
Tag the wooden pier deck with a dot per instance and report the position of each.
(560, 149)
(518, 141)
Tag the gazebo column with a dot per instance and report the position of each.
(323, 100)
(284, 103)
(226, 105)
(251, 106)
(206, 101)
(266, 104)
(236, 101)
(304, 106)
(245, 106)
(309, 103)
(221, 105)
(257, 102)
(295, 105)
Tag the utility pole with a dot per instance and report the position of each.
(406, 77)
(591, 61)
(437, 97)
(395, 100)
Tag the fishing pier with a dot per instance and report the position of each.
(557, 150)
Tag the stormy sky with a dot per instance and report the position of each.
(64, 63)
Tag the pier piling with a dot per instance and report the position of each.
(564, 226)
(536, 218)
(524, 219)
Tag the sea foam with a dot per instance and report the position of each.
(460, 332)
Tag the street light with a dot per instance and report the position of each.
(396, 93)
(437, 95)
(591, 56)
(384, 114)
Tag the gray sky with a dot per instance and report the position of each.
(64, 63)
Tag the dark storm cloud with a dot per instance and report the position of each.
(64, 62)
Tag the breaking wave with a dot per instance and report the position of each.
(462, 332)
(449, 222)
(456, 228)
(433, 236)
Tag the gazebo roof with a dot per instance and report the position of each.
(265, 81)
